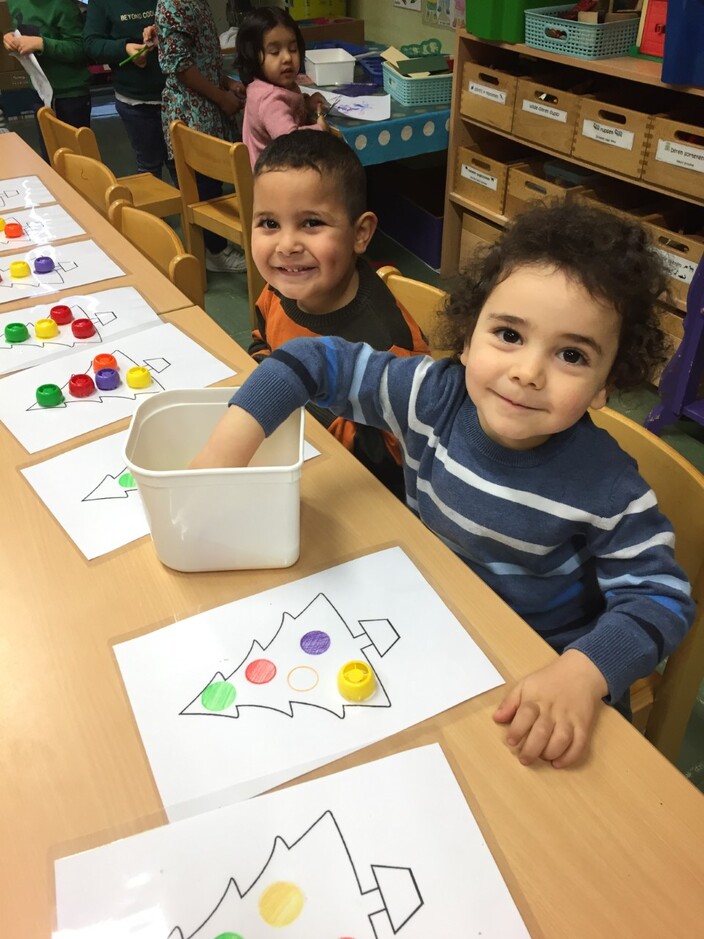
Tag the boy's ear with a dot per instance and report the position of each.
(364, 228)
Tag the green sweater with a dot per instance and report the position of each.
(60, 25)
(110, 25)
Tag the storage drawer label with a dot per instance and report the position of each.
(607, 133)
(484, 91)
(476, 176)
(678, 268)
(544, 110)
(691, 158)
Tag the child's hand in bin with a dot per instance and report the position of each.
(233, 442)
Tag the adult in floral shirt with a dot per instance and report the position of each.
(199, 93)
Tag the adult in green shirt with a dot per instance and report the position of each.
(114, 30)
(53, 31)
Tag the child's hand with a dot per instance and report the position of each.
(149, 35)
(9, 41)
(552, 711)
(141, 60)
(314, 103)
(230, 103)
(234, 442)
(239, 89)
(26, 45)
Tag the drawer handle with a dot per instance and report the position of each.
(675, 245)
(552, 33)
(612, 116)
(490, 79)
(536, 187)
(484, 166)
(686, 136)
(545, 97)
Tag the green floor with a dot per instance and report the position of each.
(226, 302)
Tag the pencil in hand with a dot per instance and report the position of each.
(145, 48)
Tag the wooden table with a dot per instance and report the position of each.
(611, 848)
(18, 159)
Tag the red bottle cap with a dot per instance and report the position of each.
(61, 314)
(80, 386)
(13, 230)
(82, 329)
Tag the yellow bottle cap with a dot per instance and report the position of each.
(46, 329)
(356, 681)
(138, 377)
(19, 269)
(2, 224)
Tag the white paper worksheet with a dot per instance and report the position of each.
(22, 192)
(39, 225)
(238, 699)
(172, 359)
(387, 849)
(75, 264)
(114, 312)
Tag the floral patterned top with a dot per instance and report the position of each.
(188, 36)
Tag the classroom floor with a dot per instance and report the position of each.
(226, 303)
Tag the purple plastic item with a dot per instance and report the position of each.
(43, 265)
(107, 379)
(681, 377)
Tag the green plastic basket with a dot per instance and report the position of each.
(436, 89)
(546, 31)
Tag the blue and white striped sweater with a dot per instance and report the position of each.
(568, 534)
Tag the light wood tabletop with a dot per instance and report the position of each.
(613, 847)
(17, 159)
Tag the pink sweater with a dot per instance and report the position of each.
(270, 112)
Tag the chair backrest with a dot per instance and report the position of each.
(59, 134)
(679, 488)
(93, 179)
(422, 301)
(160, 243)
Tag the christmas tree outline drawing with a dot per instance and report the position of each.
(309, 642)
(65, 337)
(6, 197)
(53, 279)
(273, 897)
(111, 487)
(155, 364)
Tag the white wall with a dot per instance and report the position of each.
(383, 22)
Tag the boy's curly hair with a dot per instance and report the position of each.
(611, 257)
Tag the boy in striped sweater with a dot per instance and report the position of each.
(504, 464)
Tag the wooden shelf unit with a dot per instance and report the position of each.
(465, 130)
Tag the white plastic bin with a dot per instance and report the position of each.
(214, 520)
(330, 66)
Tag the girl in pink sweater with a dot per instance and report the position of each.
(269, 51)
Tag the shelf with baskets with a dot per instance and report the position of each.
(527, 123)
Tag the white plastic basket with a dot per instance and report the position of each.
(214, 520)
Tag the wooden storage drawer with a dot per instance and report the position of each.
(675, 157)
(528, 184)
(475, 233)
(488, 95)
(681, 253)
(545, 113)
(624, 199)
(611, 136)
(481, 174)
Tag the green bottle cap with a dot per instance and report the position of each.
(16, 332)
(49, 396)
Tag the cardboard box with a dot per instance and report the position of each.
(681, 253)
(481, 172)
(476, 233)
(546, 112)
(343, 28)
(527, 184)
(675, 157)
(612, 136)
(488, 95)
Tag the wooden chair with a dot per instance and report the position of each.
(228, 215)
(421, 300)
(662, 705)
(91, 178)
(160, 243)
(147, 192)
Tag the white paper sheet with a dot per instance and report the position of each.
(94, 497)
(75, 264)
(173, 359)
(40, 225)
(114, 313)
(362, 108)
(22, 192)
(36, 75)
(248, 691)
(388, 849)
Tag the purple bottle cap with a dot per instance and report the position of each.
(43, 265)
(107, 379)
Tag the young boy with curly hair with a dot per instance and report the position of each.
(503, 462)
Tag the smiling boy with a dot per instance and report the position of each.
(310, 228)
(504, 464)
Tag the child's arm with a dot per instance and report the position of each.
(552, 711)
(61, 41)
(228, 102)
(234, 441)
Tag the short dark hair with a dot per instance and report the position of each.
(610, 256)
(249, 44)
(327, 155)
